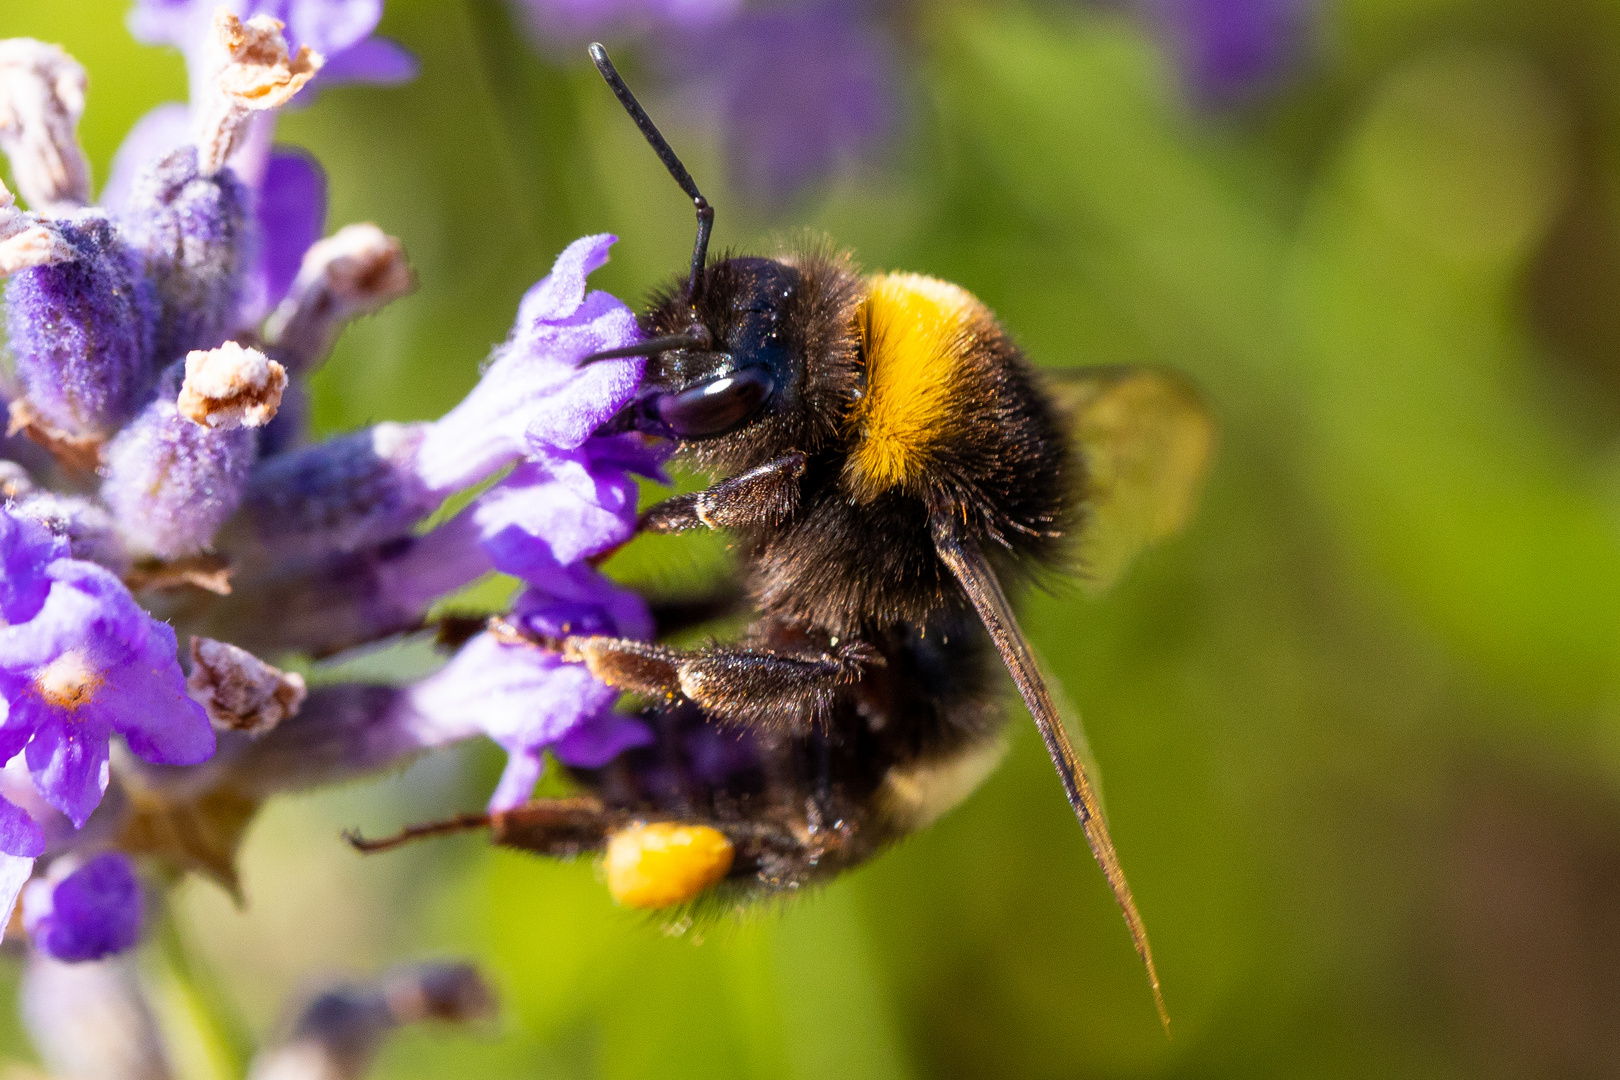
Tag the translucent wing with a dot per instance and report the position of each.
(1147, 439)
(978, 580)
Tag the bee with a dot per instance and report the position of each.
(889, 465)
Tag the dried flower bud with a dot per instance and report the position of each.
(26, 241)
(199, 239)
(82, 330)
(351, 273)
(231, 387)
(240, 691)
(41, 100)
(170, 483)
(250, 71)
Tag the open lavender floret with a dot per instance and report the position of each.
(169, 532)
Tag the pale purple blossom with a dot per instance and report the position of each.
(92, 912)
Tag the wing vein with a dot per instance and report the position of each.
(978, 580)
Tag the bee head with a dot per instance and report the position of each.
(747, 356)
(742, 363)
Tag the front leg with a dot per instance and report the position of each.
(765, 495)
(747, 685)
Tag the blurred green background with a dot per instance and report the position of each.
(1359, 727)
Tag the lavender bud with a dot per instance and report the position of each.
(240, 691)
(82, 330)
(249, 71)
(339, 494)
(342, 732)
(197, 234)
(41, 100)
(171, 483)
(231, 387)
(339, 601)
(353, 272)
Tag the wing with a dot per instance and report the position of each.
(962, 554)
(1146, 438)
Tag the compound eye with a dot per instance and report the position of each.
(717, 406)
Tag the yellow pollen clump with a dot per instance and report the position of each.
(656, 865)
(68, 681)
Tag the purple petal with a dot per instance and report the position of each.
(549, 514)
(151, 709)
(518, 695)
(69, 763)
(374, 60)
(20, 834)
(578, 600)
(92, 913)
(524, 767)
(559, 294)
(26, 547)
(533, 394)
(597, 742)
(154, 137)
(292, 216)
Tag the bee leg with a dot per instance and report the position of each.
(739, 683)
(766, 495)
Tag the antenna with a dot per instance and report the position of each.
(705, 212)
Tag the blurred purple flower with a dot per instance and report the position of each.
(568, 23)
(1229, 51)
(800, 93)
(89, 663)
(92, 913)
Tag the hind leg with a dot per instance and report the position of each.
(653, 861)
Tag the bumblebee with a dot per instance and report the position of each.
(889, 461)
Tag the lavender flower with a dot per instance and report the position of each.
(91, 912)
(86, 664)
(83, 331)
(527, 698)
(799, 92)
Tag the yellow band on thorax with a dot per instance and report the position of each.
(915, 331)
